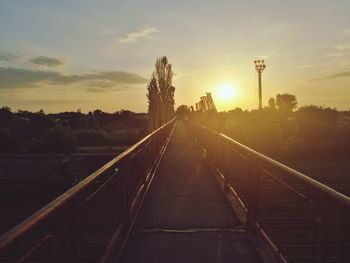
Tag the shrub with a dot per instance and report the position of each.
(56, 140)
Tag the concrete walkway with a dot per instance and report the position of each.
(185, 216)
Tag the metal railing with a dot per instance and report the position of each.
(87, 223)
(301, 219)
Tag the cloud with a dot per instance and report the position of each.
(276, 28)
(97, 90)
(307, 66)
(262, 56)
(181, 74)
(46, 61)
(40, 102)
(346, 32)
(106, 90)
(136, 35)
(343, 47)
(7, 57)
(19, 78)
(334, 76)
(26, 78)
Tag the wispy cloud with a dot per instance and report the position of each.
(346, 32)
(343, 47)
(276, 28)
(136, 35)
(307, 66)
(262, 56)
(7, 57)
(180, 74)
(334, 76)
(41, 102)
(11, 60)
(12, 78)
(46, 61)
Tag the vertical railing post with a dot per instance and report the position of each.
(124, 190)
(156, 143)
(153, 149)
(226, 168)
(58, 251)
(344, 255)
(65, 243)
(116, 194)
(206, 141)
(74, 229)
(253, 196)
(149, 153)
(325, 242)
(215, 156)
(220, 153)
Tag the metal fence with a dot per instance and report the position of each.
(299, 218)
(87, 223)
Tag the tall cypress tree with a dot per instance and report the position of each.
(161, 94)
(154, 101)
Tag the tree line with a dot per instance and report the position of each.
(37, 132)
(284, 131)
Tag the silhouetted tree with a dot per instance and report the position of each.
(154, 103)
(5, 116)
(96, 118)
(161, 94)
(286, 102)
(310, 113)
(164, 76)
(7, 141)
(55, 140)
(182, 111)
(41, 111)
(272, 104)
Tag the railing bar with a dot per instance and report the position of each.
(48, 210)
(325, 225)
(32, 250)
(339, 197)
(292, 189)
(99, 189)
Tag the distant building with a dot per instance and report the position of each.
(206, 103)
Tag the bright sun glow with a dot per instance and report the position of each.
(226, 91)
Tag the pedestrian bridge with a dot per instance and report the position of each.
(186, 193)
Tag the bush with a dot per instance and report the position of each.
(7, 142)
(56, 140)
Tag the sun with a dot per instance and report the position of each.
(226, 91)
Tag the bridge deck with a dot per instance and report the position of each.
(185, 216)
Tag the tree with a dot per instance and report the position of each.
(182, 110)
(5, 116)
(272, 103)
(7, 141)
(164, 76)
(154, 101)
(314, 113)
(286, 102)
(161, 94)
(55, 140)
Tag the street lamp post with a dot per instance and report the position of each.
(259, 67)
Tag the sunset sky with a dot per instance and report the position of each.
(64, 55)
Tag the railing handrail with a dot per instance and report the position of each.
(333, 194)
(48, 210)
